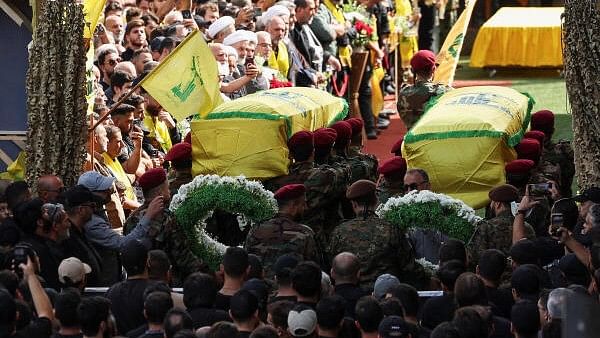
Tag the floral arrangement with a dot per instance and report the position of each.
(359, 17)
(428, 210)
(364, 33)
(429, 267)
(275, 83)
(195, 202)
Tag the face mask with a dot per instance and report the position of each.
(223, 69)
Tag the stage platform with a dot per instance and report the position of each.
(520, 37)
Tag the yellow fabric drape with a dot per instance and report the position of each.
(515, 37)
(159, 131)
(345, 52)
(119, 172)
(281, 62)
(16, 170)
(408, 44)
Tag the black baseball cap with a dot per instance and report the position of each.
(589, 194)
(80, 195)
(392, 327)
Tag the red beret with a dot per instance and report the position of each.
(423, 60)
(188, 138)
(542, 120)
(529, 149)
(180, 151)
(395, 166)
(290, 192)
(325, 137)
(152, 178)
(397, 147)
(519, 166)
(536, 134)
(344, 131)
(301, 138)
(357, 125)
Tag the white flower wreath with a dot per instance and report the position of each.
(195, 202)
(429, 210)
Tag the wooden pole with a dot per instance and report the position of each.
(114, 106)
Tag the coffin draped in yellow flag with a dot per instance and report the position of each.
(186, 82)
(450, 51)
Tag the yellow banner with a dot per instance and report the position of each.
(92, 9)
(450, 51)
(186, 82)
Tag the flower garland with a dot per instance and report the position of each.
(429, 267)
(428, 210)
(195, 202)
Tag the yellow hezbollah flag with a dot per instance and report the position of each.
(465, 137)
(92, 10)
(450, 51)
(16, 170)
(186, 82)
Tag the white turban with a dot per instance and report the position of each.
(237, 36)
(230, 51)
(252, 37)
(276, 10)
(219, 25)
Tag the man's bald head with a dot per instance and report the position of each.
(126, 67)
(49, 188)
(345, 268)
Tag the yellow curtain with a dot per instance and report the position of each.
(119, 172)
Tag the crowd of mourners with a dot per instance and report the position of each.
(107, 258)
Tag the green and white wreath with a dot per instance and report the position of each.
(195, 202)
(428, 210)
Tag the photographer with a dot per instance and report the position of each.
(46, 227)
(41, 326)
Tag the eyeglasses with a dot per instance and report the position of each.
(113, 62)
(52, 210)
(413, 186)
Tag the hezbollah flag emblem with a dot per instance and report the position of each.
(450, 51)
(186, 82)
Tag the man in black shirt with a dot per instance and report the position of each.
(127, 297)
(330, 313)
(94, 315)
(199, 293)
(492, 264)
(244, 312)
(346, 273)
(283, 268)
(156, 306)
(306, 282)
(441, 309)
(65, 310)
(235, 267)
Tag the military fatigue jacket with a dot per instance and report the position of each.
(495, 233)
(171, 239)
(411, 100)
(560, 156)
(380, 247)
(279, 236)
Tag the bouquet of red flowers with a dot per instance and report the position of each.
(274, 83)
(364, 33)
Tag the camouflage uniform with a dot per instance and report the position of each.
(171, 239)
(386, 190)
(325, 187)
(412, 99)
(279, 236)
(560, 156)
(180, 179)
(380, 247)
(495, 233)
